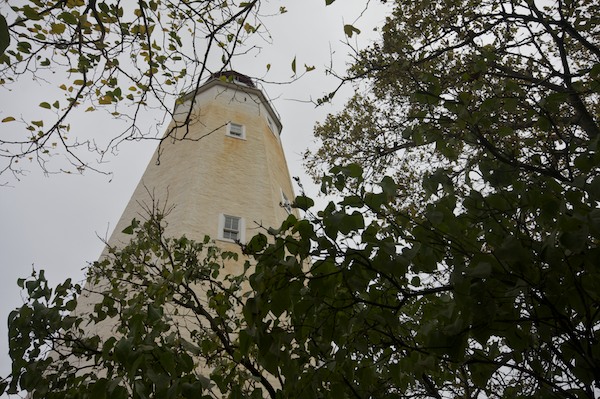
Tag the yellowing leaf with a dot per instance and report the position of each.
(75, 3)
(45, 105)
(138, 29)
(8, 119)
(105, 100)
(57, 29)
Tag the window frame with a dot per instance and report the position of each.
(223, 229)
(272, 126)
(241, 136)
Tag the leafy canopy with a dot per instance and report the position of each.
(156, 320)
(470, 153)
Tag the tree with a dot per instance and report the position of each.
(486, 295)
(173, 320)
(124, 59)
(471, 160)
(516, 81)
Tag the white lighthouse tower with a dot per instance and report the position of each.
(222, 169)
(224, 172)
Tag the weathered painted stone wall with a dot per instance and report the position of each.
(211, 173)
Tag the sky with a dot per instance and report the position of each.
(57, 222)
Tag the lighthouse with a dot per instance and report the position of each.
(221, 166)
(220, 171)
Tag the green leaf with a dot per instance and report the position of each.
(349, 30)
(105, 100)
(594, 188)
(167, 360)
(123, 349)
(354, 201)
(388, 186)
(303, 202)
(352, 170)
(45, 105)
(481, 269)
(257, 243)
(575, 240)
(31, 13)
(329, 2)
(129, 229)
(3, 386)
(294, 65)
(351, 223)
(4, 34)
(68, 17)
(481, 372)
(24, 47)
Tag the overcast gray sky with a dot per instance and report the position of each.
(54, 223)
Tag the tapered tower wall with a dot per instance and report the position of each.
(204, 172)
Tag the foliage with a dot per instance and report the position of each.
(461, 82)
(485, 295)
(470, 154)
(159, 318)
(107, 55)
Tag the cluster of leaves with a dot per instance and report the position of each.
(118, 57)
(451, 83)
(475, 276)
(488, 295)
(155, 319)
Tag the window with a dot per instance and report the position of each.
(272, 126)
(236, 130)
(285, 203)
(231, 228)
